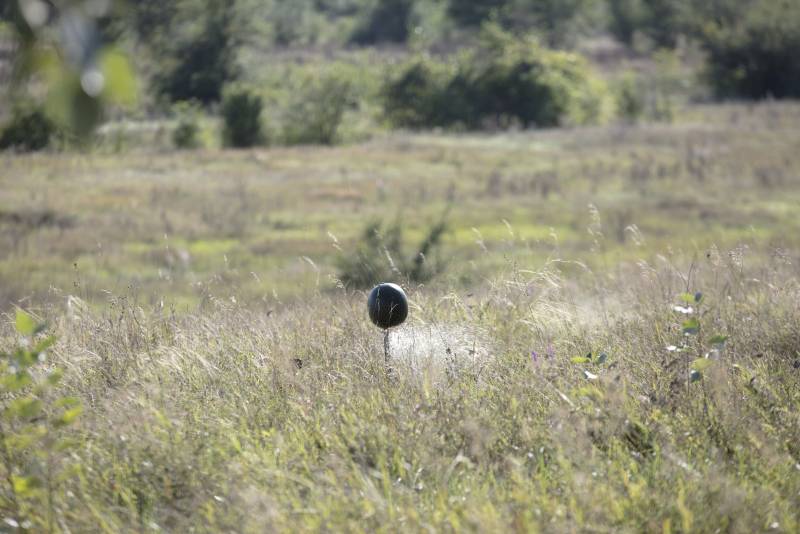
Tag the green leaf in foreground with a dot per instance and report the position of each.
(24, 408)
(718, 340)
(16, 381)
(24, 486)
(44, 344)
(691, 326)
(701, 364)
(68, 417)
(25, 324)
(580, 359)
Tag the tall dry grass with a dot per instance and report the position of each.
(490, 419)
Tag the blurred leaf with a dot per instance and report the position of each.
(68, 417)
(70, 470)
(16, 381)
(67, 444)
(25, 486)
(44, 344)
(701, 364)
(25, 324)
(591, 392)
(55, 377)
(67, 402)
(120, 82)
(691, 326)
(688, 298)
(24, 358)
(718, 340)
(25, 439)
(24, 408)
(580, 359)
(69, 105)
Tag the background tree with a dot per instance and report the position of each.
(387, 22)
(753, 47)
(198, 66)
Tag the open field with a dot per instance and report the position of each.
(545, 381)
(180, 228)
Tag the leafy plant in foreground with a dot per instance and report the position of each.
(32, 420)
(690, 328)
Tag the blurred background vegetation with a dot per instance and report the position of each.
(286, 72)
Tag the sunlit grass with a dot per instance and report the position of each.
(229, 382)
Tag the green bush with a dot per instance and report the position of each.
(625, 18)
(415, 96)
(661, 22)
(665, 20)
(558, 22)
(186, 133)
(387, 22)
(290, 22)
(474, 12)
(241, 113)
(502, 82)
(315, 113)
(380, 255)
(754, 51)
(197, 67)
(28, 130)
(629, 98)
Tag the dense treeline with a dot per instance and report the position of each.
(191, 51)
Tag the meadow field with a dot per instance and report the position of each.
(607, 340)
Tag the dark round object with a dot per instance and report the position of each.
(388, 306)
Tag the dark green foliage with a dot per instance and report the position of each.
(664, 21)
(387, 22)
(556, 21)
(198, 67)
(415, 97)
(185, 134)
(474, 12)
(503, 82)
(380, 255)
(660, 21)
(754, 51)
(559, 22)
(241, 113)
(152, 19)
(288, 19)
(625, 19)
(28, 130)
